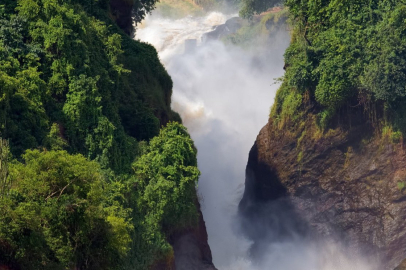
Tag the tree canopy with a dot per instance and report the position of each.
(345, 53)
(88, 180)
(57, 214)
(62, 211)
(66, 65)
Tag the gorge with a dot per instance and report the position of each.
(129, 135)
(311, 201)
(222, 110)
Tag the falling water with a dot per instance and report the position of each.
(168, 36)
(223, 94)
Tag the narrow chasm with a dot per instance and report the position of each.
(323, 187)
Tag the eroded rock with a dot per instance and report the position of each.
(346, 184)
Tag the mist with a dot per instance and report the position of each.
(224, 94)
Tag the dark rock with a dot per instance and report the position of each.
(341, 184)
(230, 27)
(192, 251)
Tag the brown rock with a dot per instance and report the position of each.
(402, 266)
(346, 183)
(192, 251)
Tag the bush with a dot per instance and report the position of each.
(57, 214)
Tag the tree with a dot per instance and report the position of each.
(4, 158)
(59, 216)
(164, 193)
(251, 7)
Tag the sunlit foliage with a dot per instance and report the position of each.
(83, 182)
(165, 179)
(342, 50)
(66, 63)
(57, 215)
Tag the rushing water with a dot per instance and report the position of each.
(168, 36)
(224, 94)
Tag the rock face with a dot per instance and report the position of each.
(402, 266)
(345, 183)
(192, 251)
(229, 27)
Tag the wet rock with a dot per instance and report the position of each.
(230, 27)
(402, 266)
(192, 251)
(343, 184)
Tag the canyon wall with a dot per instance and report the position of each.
(345, 184)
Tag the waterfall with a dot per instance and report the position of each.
(223, 93)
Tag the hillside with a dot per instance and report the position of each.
(96, 170)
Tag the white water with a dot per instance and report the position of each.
(223, 94)
(168, 36)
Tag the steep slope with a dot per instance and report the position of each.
(332, 152)
(344, 184)
(74, 84)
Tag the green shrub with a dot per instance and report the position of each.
(341, 49)
(57, 214)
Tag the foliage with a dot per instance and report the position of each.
(176, 9)
(4, 159)
(65, 62)
(62, 211)
(341, 50)
(251, 7)
(165, 179)
(57, 214)
(259, 30)
(77, 87)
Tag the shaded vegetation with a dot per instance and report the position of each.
(255, 7)
(164, 196)
(65, 63)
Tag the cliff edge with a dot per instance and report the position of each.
(343, 184)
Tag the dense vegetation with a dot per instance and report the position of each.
(252, 7)
(61, 211)
(88, 179)
(67, 71)
(343, 55)
(261, 30)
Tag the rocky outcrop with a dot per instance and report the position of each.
(192, 251)
(345, 183)
(402, 266)
(229, 27)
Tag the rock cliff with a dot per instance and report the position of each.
(346, 183)
(191, 249)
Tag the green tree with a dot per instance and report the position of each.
(4, 159)
(58, 215)
(164, 193)
(251, 7)
(345, 54)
